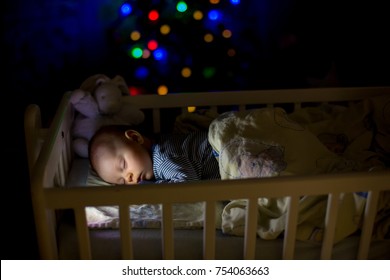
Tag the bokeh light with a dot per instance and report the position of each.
(191, 109)
(186, 72)
(153, 15)
(208, 37)
(136, 52)
(181, 6)
(165, 29)
(231, 52)
(126, 9)
(141, 72)
(146, 53)
(135, 35)
(152, 45)
(214, 15)
(160, 54)
(162, 90)
(226, 33)
(134, 91)
(208, 72)
(197, 15)
(182, 44)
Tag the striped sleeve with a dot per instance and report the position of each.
(178, 158)
(178, 169)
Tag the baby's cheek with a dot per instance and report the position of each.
(149, 175)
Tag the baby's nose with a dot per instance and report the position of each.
(129, 178)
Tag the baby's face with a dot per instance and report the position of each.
(122, 161)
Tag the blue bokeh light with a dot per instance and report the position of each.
(214, 15)
(160, 54)
(126, 9)
(141, 72)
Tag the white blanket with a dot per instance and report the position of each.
(185, 215)
(268, 142)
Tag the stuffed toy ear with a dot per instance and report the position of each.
(121, 83)
(84, 103)
(90, 83)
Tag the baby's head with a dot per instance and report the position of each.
(119, 155)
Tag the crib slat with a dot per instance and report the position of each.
(67, 155)
(125, 231)
(368, 224)
(250, 229)
(68, 151)
(32, 127)
(330, 225)
(209, 231)
(65, 162)
(82, 233)
(61, 171)
(167, 232)
(291, 228)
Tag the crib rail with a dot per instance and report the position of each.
(269, 98)
(49, 173)
(251, 189)
(273, 96)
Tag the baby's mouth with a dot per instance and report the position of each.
(140, 178)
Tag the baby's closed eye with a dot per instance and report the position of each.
(122, 164)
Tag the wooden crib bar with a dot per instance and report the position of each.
(209, 231)
(125, 230)
(291, 228)
(167, 231)
(250, 229)
(82, 233)
(47, 198)
(330, 225)
(368, 223)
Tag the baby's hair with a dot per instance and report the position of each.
(114, 130)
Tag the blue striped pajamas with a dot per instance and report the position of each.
(184, 157)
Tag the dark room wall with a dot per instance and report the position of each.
(50, 46)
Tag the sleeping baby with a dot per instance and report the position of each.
(121, 155)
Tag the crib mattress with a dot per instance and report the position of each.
(188, 243)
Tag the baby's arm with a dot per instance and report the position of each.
(174, 170)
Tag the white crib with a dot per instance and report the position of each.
(51, 159)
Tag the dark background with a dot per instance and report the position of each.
(51, 46)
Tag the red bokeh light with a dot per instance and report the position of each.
(152, 45)
(153, 15)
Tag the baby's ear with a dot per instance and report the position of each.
(134, 136)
